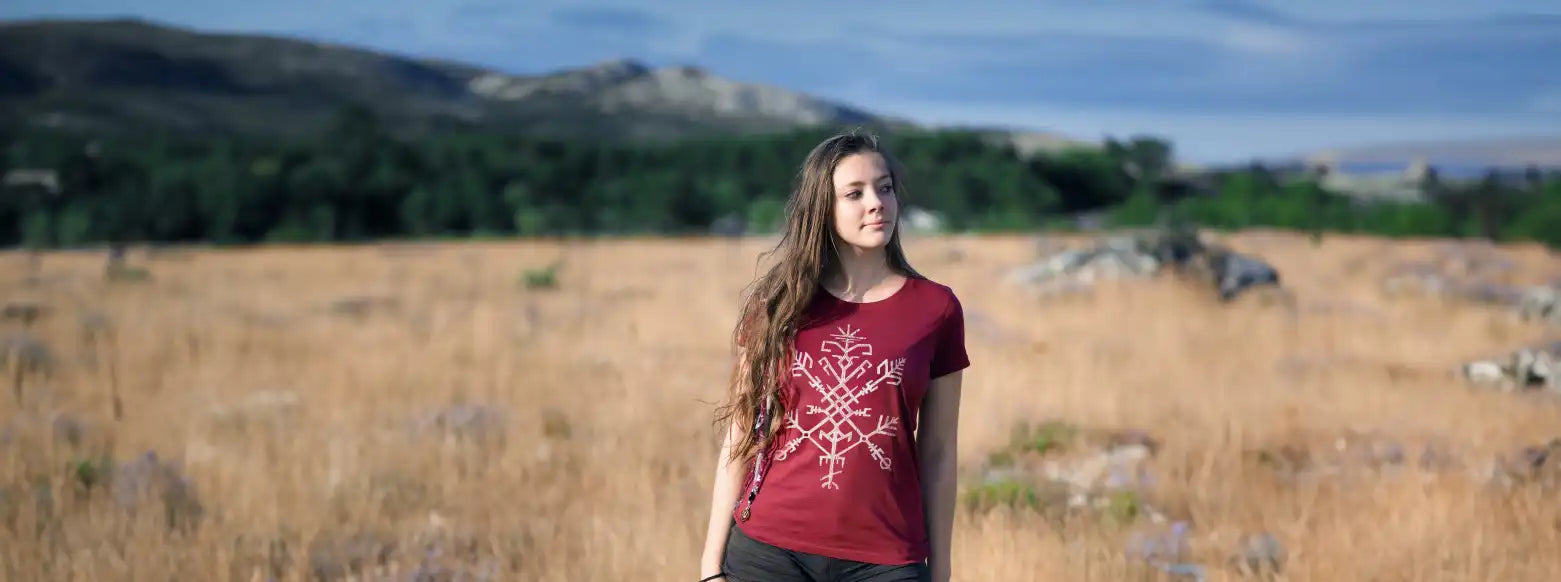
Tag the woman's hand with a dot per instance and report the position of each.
(938, 440)
(723, 496)
(709, 570)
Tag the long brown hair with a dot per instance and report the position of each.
(775, 302)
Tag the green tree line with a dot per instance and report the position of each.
(355, 181)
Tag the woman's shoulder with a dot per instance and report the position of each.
(928, 284)
(934, 294)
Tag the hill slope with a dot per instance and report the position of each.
(1510, 152)
(116, 75)
(129, 73)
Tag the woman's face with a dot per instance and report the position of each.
(865, 205)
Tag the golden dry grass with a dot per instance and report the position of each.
(605, 469)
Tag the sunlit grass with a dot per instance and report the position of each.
(300, 390)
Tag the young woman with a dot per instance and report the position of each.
(838, 462)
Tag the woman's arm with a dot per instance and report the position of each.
(723, 495)
(937, 442)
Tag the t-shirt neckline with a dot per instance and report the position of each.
(837, 299)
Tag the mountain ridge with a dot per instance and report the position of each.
(134, 74)
(130, 74)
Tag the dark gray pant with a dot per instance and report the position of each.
(750, 560)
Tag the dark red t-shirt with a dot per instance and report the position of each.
(842, 478)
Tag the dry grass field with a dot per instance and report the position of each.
(418, 404)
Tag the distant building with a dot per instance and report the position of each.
(922, 220)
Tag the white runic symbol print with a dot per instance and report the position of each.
(846, 377)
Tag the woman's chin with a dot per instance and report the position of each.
(870, 242)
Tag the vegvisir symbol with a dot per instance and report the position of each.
(843, 382)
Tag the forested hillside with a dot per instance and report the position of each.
(357, 182)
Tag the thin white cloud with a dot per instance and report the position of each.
(1345, 11)
(1265, 39)
(884, 30)
(1547, 101)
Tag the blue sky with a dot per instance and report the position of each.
(1225, 79)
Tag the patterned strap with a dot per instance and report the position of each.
(759, 421)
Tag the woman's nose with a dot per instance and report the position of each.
(871, 200)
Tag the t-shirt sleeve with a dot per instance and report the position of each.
(950, 356)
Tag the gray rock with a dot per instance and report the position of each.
(1522, 369)
(1168, 545)
(69, 430)
(266, 407)
(332, 557)
(1416, 281)
(363, 306)
(1490, 294)
(148, 479)
(1189, 571)
(93, 324)
(1260, 555)
(1120, 467)
(66, 429)
(22, 349)
(1535, 464)
(1114, 258)
(1167, 550)
(1235, 273)
(730, 225)
(1539, 304)
(24, 312)
(439, 573)
(466, 422)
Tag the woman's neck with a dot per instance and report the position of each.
(858, 273)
